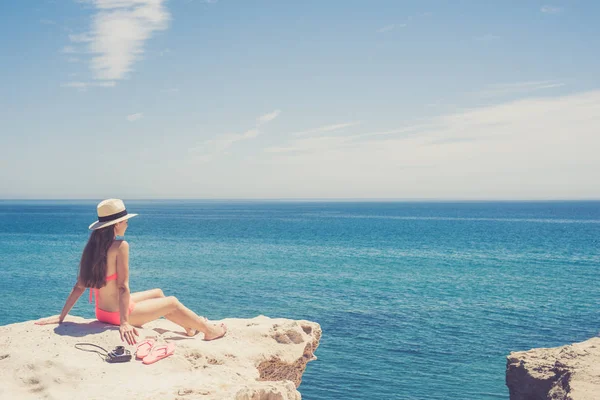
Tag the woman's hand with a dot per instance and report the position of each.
(128, 333)
(50, 320)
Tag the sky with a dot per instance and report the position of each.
(257, 99)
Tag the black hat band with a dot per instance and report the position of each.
(113, 216)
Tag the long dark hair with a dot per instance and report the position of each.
(92, 268)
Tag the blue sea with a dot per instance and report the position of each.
(416, 300)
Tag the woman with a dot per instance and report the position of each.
(104, 268)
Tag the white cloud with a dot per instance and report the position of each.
(531, 148)
(252, 133)
(212, 147)
(548, 9)
(68, 50)
(118, 32)
(503, 89)
(134, 117)
(84, 85)
(263, 119)
(390, 27)
(314, 143)
(77, 85)
(326, 128)
(386, 28)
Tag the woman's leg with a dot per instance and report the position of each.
(157, 294)
(173, 310)
(146, 295)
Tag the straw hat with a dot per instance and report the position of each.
(110, 212)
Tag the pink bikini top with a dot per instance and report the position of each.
(108, 278)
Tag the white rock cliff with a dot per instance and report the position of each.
(259, 359)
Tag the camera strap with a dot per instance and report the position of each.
(102, 355)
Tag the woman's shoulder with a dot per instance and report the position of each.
(119, 245)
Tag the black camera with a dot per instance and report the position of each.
(119, 354)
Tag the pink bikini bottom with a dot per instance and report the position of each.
(112, 317)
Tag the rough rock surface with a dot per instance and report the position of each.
(562, 373)
(259, 359)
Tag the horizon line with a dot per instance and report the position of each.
(323, 199)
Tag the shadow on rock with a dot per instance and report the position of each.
(83, 329)
(183, 336)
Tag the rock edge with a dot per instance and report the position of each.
(259, 358)
(569, 372)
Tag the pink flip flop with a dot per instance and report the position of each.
(159, 352)
(143, 348)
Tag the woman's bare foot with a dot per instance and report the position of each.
(216, 332)
(191, 332)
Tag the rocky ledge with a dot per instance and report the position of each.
(562, 373)
(259, 358)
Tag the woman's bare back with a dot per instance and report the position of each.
(108, 299)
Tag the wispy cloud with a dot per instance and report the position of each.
(386, 28)
(470, 154)
(464, 127)
(208, 149)
(506, 89)
(409, 19)
(390, 27)
(268, 117)
(68, 50)
(76, 85)
(548, 9)
(119, 30)
(86, 85)
(134, 117)
(316, 143)
(326, 128)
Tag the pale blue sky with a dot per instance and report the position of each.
(311, 99)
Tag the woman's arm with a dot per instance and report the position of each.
(123, 280)
(75, 294)
(127, 331)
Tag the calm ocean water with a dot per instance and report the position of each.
(416, 300)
